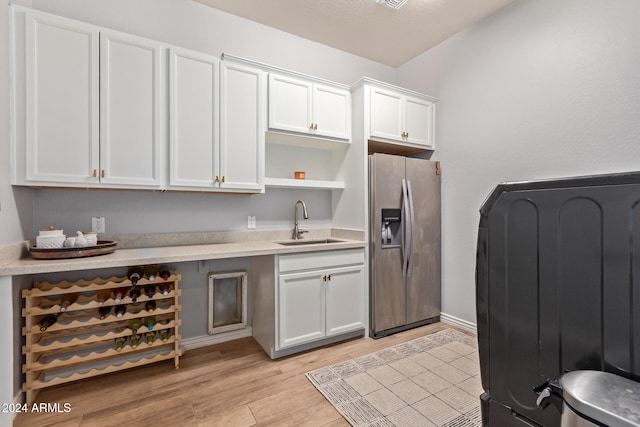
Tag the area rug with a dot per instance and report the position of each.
(430, 381)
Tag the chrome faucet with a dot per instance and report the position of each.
(297, 232)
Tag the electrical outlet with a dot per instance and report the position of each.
(98, 224)
(251, 221)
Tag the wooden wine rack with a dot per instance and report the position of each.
(80, 344)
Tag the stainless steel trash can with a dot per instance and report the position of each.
(595, 398)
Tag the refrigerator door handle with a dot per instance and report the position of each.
(406, 236)
(411, 224)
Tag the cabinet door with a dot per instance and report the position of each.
(193, 111)
(419, 115)
(331, 112)
(301, 308)
(289, 104)
(344, 299)
(61, 99)
(129, 110)
(386, 114)
(242, 127)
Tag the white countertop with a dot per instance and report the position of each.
(170, 254)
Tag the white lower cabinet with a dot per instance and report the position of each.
(318, 304)
(307, 300)
(301, 308)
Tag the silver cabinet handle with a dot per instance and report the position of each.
(405, 228)
(411, 229)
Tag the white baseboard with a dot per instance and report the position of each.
(455, 321)
(205, 340)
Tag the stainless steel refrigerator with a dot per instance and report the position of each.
(404, 221)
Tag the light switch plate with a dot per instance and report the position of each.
(251, 221)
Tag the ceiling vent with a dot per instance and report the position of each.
(394, 4)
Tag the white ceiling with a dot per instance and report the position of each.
(364, 27)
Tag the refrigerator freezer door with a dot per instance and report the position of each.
(423, 282)
(388, 292)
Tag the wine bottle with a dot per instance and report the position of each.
(164, 333)
(104, 311)
(66, 300)
(150, 321)
(165, 288)
(119, 294)
(150, 336)
(48, 320)
(164, 272)
(134, 324)
(150, 271)
(149, 290)
(134, 293)
(120, 343)
(134, 274)
(120, 310)
(150, 306)
(103, 295)
(134, 340)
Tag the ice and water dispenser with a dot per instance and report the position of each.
(391, 233)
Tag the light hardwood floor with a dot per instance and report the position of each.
(229, 384)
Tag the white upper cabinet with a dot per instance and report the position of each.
(308, 107)
(60, 127)
(193, 126)
(130, 119)
(243, 94)
(386, 114)
(217, 115)
(86, 105)
(400, 116)
(290, 104)
(331, 112)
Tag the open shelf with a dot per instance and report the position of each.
(304, 183)
(305, 141)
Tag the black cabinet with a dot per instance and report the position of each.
(557, 282)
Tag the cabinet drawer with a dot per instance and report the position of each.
(319, 260)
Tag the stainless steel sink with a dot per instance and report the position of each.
(308, 242)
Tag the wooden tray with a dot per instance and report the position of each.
(103, 247)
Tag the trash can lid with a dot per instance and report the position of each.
(607, 398)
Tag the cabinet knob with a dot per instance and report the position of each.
(315, 126)
(95, 173)
(222, 180)
(329, 277)
(311, 126)
(102, 173)
(217, 179)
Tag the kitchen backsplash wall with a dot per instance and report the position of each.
(134, 212)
